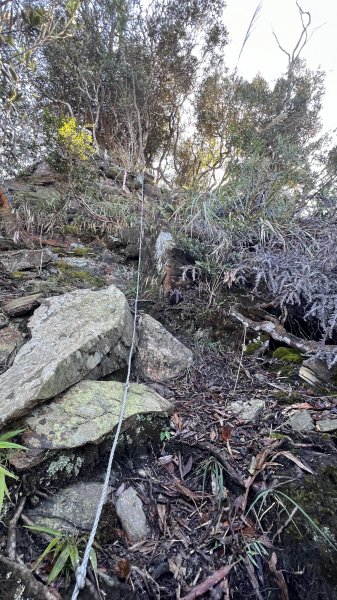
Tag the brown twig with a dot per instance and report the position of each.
(11, 536)
(211, 581)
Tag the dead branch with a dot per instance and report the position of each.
(32, 586)
(210, 582)
(11, 536)
(275, 330)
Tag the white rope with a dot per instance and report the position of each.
(82, 569)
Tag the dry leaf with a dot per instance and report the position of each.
(162, 510)
(177, 421)
(279, 576)
(164, 460)
(296, 460)
(298, 406)
(185, 491)
(226, 433)
(123, 568)
(185, 469)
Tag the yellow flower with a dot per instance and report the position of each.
(76, 140)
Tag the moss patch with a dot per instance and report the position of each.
(252, 347)
(288, 397)
(290, 355)
(70, 275)
(81, 251)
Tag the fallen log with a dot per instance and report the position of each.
(321, 359)
(275, 330)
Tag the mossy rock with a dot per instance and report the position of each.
(57, 250)
(290, 355)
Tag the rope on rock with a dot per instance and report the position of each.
(82, 568)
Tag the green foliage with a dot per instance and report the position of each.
(252, 347)
(166, 434)
(287, 504)
(64, 551)
(213, 470)
(4, 472)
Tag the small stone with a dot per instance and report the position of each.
(10, 339)
(247, 410)
(130, 511)
(327, 425)
(21, 306)
(4, 320)
(301, 421)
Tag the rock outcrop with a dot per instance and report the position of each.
(71, 334)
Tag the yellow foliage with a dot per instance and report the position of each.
(76, 140)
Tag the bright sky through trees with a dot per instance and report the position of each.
(262, 54)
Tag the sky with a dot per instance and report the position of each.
(261, 53)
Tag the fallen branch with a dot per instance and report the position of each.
(275, 330)
(210, 582)
(33, 587)
(11, 536)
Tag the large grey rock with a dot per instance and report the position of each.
(69, 509)
(70, 336)
(20, 260)
(160, 355)
(87, 412)
(130, 511)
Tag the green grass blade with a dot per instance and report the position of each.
(60, 564)
(10, 434)
(93, 559)
(11, 445)
(45, 553)
(7, 473)
(74, 556)
(48, 530)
